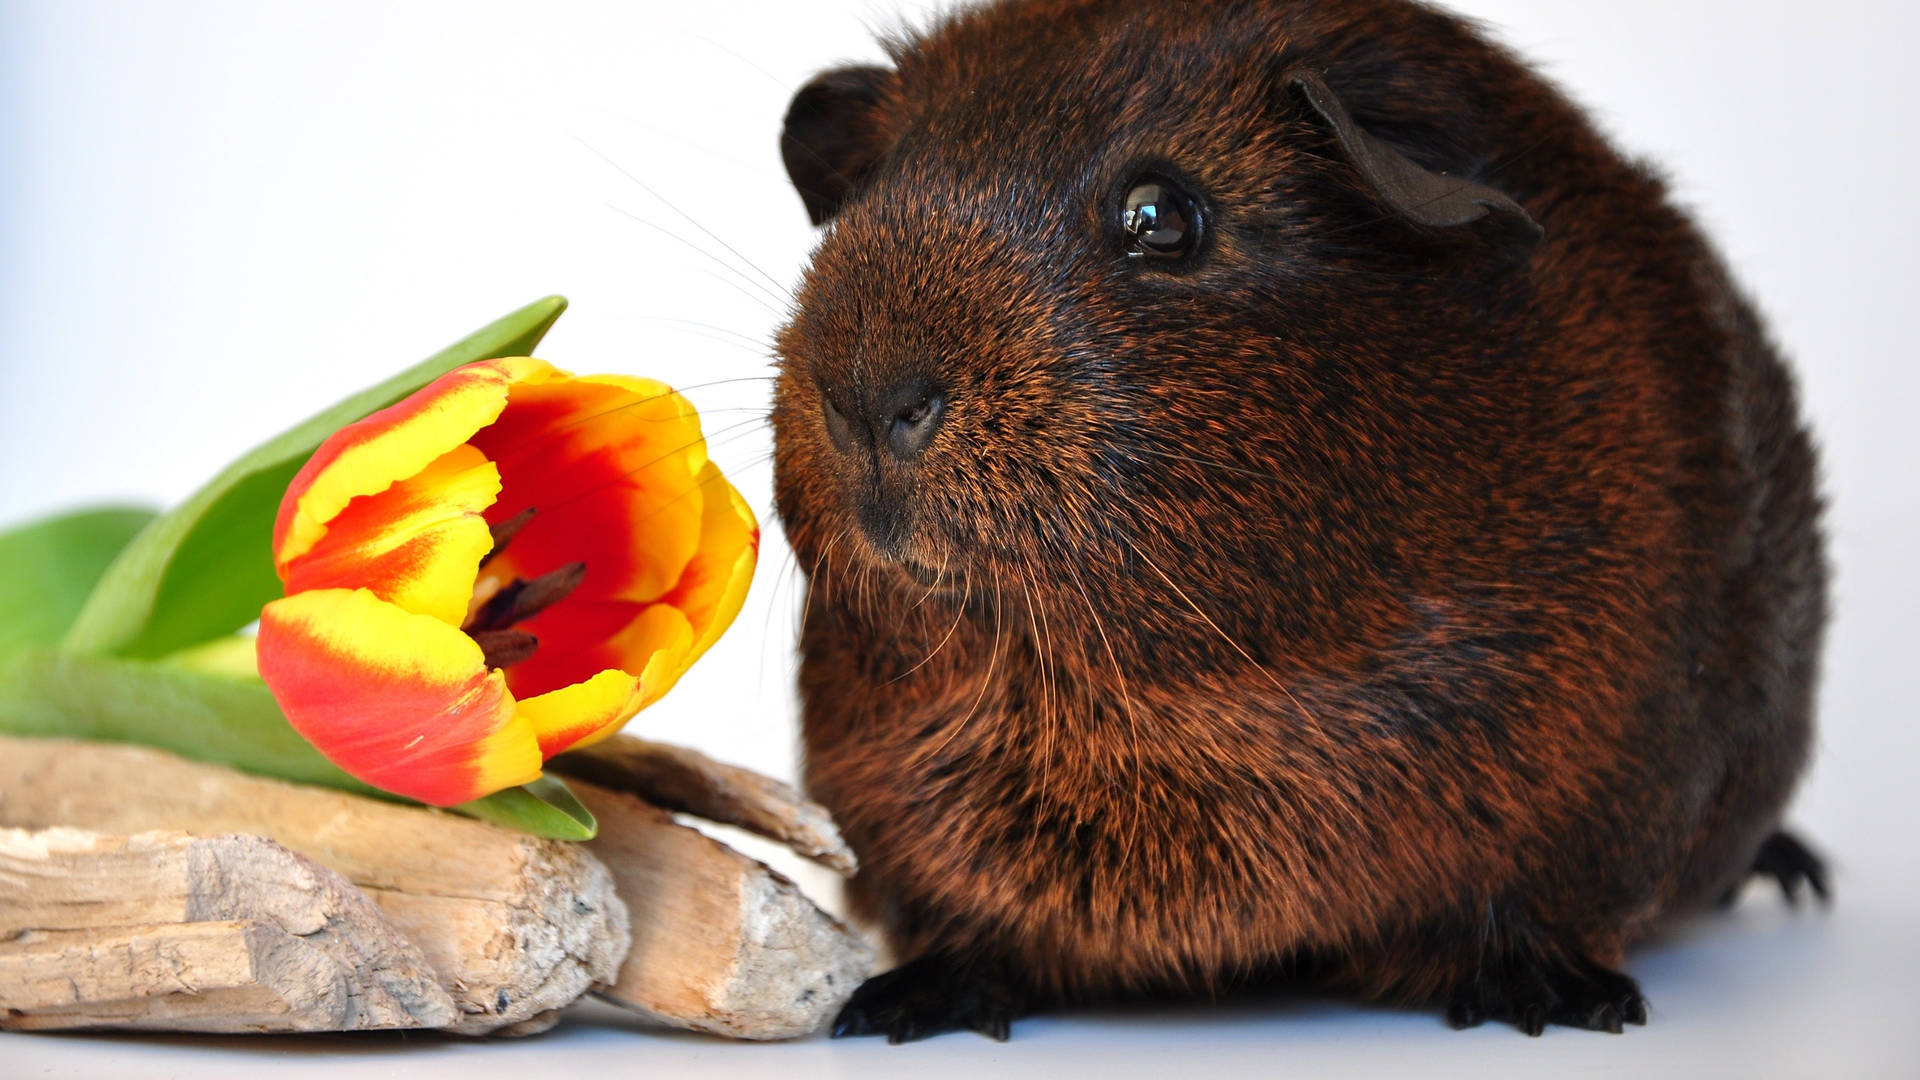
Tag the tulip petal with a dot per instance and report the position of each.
(714, 585)
(658, 641)
(710, 593)
(566, 716)
(367, 456)
(416, 544)
(609, 467)
(402, 701)
(665, 631)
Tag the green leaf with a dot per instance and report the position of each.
(201, 715)
(546, 807)
(50, 567)
(205, 569)
(197, 709)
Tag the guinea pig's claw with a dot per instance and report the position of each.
(929, 996)
(1786, 860)
(1532, 993)
(1464, 1013)
(1791, 864)
(1533, 1019)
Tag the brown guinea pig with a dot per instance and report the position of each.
(1281, 496)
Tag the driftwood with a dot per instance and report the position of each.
(721, 943)
(677, 778)
(197, 933)
(514, 926)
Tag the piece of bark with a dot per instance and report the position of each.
(170, 931)
(721, 943)
(514, 926)
(688, 781)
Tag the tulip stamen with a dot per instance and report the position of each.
(520, 599)
(503, 533)
(503, 648)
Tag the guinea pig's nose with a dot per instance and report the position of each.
(905, 418)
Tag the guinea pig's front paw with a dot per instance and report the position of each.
(1530, 993)
(933, 994)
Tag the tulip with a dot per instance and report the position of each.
(510, 562)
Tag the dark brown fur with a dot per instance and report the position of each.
(1436, 609)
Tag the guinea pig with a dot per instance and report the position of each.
(1281, 498)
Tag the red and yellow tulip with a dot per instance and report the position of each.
(510, 562)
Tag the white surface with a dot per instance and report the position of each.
(217, 217)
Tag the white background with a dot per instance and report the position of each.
(216, 218)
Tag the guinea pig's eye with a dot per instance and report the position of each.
(1160, 220)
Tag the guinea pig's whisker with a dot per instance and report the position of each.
(959, 613)
(938, 575)
(746, 339)
(806, 598)
(732, 343)
(822, 571)
(1311, 720)
(753, 464)
(782, 583)
(769, 298)
(1049, 715)
(1126, 699)
(868, 594)
(780, 291)
(718, 47)
(770, 309)
(986, 682)
(659, 135)
(757, 410)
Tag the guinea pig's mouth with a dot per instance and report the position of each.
(922, 575)
(888, 543)
(921, 579)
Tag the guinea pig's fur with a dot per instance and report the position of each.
(1426, 607)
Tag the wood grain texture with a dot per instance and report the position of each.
(170, 931)
(721, 943)
(515, 926)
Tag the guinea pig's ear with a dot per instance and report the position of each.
(1416, 193)
(833, 138)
